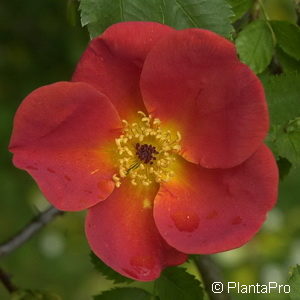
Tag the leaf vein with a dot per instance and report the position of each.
(187, 14)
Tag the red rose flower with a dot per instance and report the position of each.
(160, 136)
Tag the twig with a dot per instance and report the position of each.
(5, 279)
(29, 230)
(210, 273)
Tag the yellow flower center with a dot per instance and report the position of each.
(146, 151)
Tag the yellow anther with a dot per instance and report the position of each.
(153, 165)
(116, 179)
(141, 113)
(123, 172)
(146, 119)
(125, 122)
(156, 121)
(132, 175)
(133, 182)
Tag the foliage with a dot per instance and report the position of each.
(294, 282)
(239, 7)
(214, 15)
(288, 63)
(176, 284)
(255, 45)
(288, 37)
(124, 294)
(108, 272)
(282, 93)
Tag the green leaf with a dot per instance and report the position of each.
(108, 272)
(288, 63)
(294, 282)
(213, 15)
(176, 284)
(283, 10)
(124, 294)
(34, 295)
(288, 145)
(239, 7)
(255, 45)
(282, 92)
(288, 37)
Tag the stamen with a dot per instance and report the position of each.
(146, 151)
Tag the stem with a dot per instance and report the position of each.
(5, 279)
(266, 17)
(29, 230)
(263, 9)
(210, 273)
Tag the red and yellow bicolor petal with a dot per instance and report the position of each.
(193, 80)
(113, 61)
(212, 210)
(122, 232)
(61, 136)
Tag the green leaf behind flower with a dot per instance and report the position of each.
(288, 37)
(240, 7)
(108, 272)
(287, 144)
(283, 10)
(294, 282)
(255, 45)
(124, 294)
(282, 94)
(213, 15)
(177, 284)
(288, 63)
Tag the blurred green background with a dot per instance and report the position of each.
(40, 43)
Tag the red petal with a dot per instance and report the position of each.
(61, 137)
(207, 211)
(122, 232)
(112, 63)
(192, 78)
